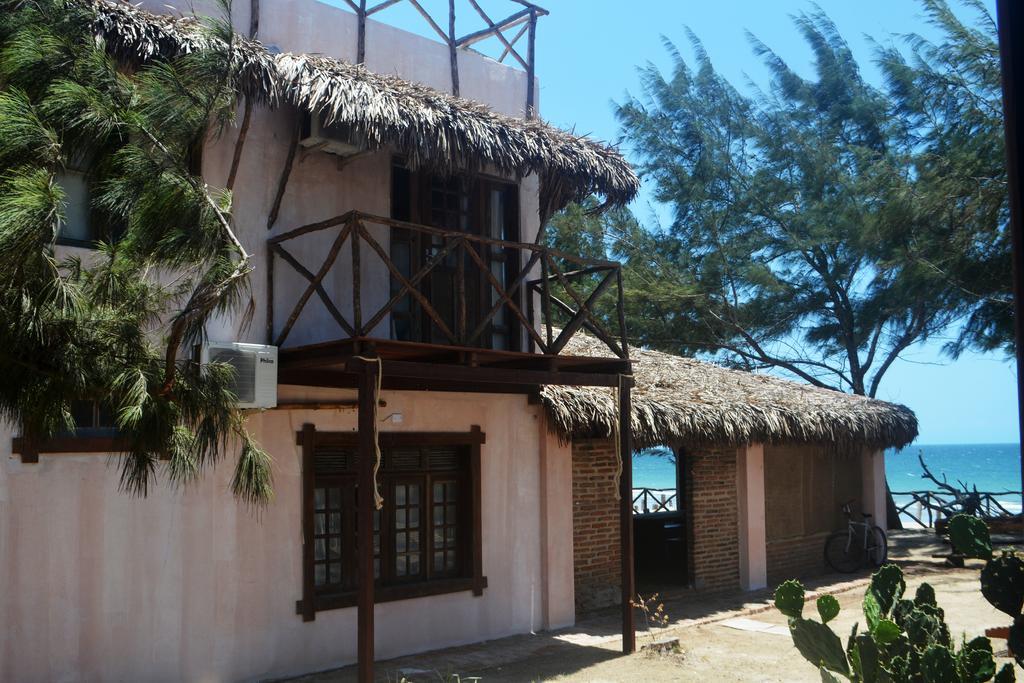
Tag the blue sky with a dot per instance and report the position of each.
(588, 52)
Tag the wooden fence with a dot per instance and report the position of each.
(647, 501)
(927, 507)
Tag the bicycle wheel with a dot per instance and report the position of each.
(878, 547)
(843, 553)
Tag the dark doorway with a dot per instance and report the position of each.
(663, 533)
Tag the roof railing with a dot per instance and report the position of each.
(525, 20)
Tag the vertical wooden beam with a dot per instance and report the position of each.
(453, 51)
(308, 588)
(361, 38)
(626, 513)
(1010, 16)
(531, 64)
(367, 456)
(478, 538)
(357, 278)
(621, 303)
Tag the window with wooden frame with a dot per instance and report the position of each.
(470, 203)
(427, 535)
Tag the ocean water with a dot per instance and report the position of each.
(990, 467)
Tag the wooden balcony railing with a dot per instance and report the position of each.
(563, 293)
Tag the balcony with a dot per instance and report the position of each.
(442, 309)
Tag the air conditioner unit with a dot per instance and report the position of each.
(255, 366)
(337, 138)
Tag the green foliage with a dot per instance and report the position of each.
(108, 328)
(789, 598)
(907, 640)
(826, 224)
(969, 536)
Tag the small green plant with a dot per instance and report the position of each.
(1002, 577)
(906, 640)
(654, 612)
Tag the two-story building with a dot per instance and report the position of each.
(395, 228)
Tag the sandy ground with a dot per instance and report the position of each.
(711, 651)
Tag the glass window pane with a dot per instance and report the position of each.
(319, 549)
(450, 535)
(335, 525)
(319, 498)
(335, 572)
(320, 574)
(376, 544)
(414, 518)
(318, 523)
(450, 515)
(376, 568)
(438, 536)
(400, 565)
(414, 494)
(399, 519)
(334, 498)
(438, 562)
(450, 563)
(376, 520)
(450, 488)
(399, 495)
(75, 225)
(414, 565)
(400, 542)
(439, 491)
(334, 547)
(438, 514)
(414, 542)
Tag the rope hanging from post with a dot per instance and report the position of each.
(618, 441)
(616, 436)
(378, 500)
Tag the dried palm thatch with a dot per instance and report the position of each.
(431, 128)
(136, 36)
(683, 400)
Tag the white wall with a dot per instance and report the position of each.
(753, 548)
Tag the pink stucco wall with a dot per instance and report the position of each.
(189, 585)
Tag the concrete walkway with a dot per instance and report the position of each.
(597, 638)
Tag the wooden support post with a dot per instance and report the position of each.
(453, 50)
(361, 38)
(1010, 16)
(626, 513)
(270, 295)
(531, 64)
(367, 457)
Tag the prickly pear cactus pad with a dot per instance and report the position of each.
(789, 598)
(828, 608)
(969, 536)
(1002, 583)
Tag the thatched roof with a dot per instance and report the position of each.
(430, 127)
(683, 400)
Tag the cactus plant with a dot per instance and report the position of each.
(906, 641)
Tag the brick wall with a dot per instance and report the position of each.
(595, 520)
(796, 557)
(711, 488)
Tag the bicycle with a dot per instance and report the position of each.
(861, 543)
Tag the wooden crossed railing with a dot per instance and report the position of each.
(525, 20)
(647, 501)
(928, 507)
(586, 286)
